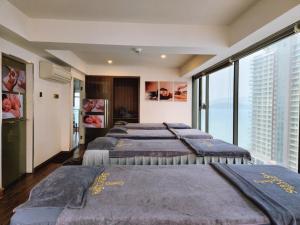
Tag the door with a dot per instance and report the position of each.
(13, 120)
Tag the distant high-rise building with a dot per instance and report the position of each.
(275, 84)
(262, 82)
(294, 89)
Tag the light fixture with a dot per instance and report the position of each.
(163, 56)
(109, 61)
(137, 50)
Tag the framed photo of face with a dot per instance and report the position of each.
(13, 79)
(12, 106)
(151, 90)
(93, 105)
(165, 91)
(93, 121)
(180, 91)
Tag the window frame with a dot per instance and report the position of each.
(234, 59)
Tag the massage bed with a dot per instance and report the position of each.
(108, 150)
(119, 132)
(172, 133)
(151, 126)
(216, 194)
(190, 133)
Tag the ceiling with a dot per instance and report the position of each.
(124, 55)
(192, 12)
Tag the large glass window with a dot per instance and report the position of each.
(269, 103)
(221, 104)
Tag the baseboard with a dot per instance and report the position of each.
(57, 158)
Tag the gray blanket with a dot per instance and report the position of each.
(144, 134)
(145, 126)
(273, 188)
(169, 195)
(155, 147)
(190, 133)
(215, 147)
(177, 125)
(102, 143)
(118, 130)
(66, 186)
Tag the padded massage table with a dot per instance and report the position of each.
(190, 133)
(145, 126)
(151, 126)
(162, 152)
(121, 132)
(141, 134)
(216, 194)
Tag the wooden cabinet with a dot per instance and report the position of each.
(126, 99)
(122, 94)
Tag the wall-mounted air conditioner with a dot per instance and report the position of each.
(50, 71)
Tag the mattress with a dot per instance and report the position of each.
(216, 147)
(195, 194)
(153, 147)
(144, 134)
(142, 195)
(145, 126)
(191, 133)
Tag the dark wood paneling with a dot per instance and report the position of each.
(126, 99)
(120, 92)
(99, 87)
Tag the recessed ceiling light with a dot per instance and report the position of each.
(163, 56)
(109, 61)
(137, 50)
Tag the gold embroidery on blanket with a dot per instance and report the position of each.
(100, 183)
(275, 180)
(114, 183)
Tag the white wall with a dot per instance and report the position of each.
(152, 111)
(51, 116)
(51, 119)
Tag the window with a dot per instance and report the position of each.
(269, 88)
(221, 104)
(76, 108)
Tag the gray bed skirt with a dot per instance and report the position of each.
(101, 157)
